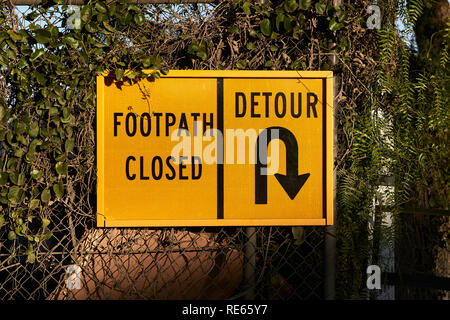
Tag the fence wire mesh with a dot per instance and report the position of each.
(196, 263)
(166, 263)
(423, 257)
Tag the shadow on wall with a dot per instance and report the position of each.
(153, 264)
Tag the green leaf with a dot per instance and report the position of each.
(45, 223)
(85, 13)
(31, 258)
(91, 27)
(156, 75)
(251, 46)
(61, 167)
(164, 71)
(19, 127)
(278, 20)
(266, 28)
(3, 178)
(290, 5)
(304, 4)
(11, 54)
(246, 7)
(20, 229)
(71, 42)
(42, 36)
(53, 111)
(101, 7)
(242, 64)
(14, 194)
(101, 17)
(47, 236)
(34, 203)
(299, 235)
(40, 77)
(58, 189)
(34, 144)
(11, 163)
(146, 62)
(2, 220)
(119, 74)
(23, 63)
(18, 153)
(36, 174)
(109, 27)
(342, 15)
(320, 7)
(2, 111)
(139, 19)
(36, 54)
(334, 25)
(53, 31)
(153, 61)
(233, 29)
(33, 131)
(30, 157)
(288, 24)
(14, 177)
(253, 34)
(45, 196)
(202, 54)
(21, 139)
(69, 145)
(3, 35)
(11, 235)
(15, 36)
(32, 15)
(133, 7)
(276, 280)
(60, 156)
(21, 179)
(26, 118)
(4, 61)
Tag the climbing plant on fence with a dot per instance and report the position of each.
(47, 107)
(47, 100)
(414, 84)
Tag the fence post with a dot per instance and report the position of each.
(330, 231)
(250, 262)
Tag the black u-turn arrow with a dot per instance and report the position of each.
(291, 182)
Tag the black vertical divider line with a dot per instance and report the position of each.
(220, 149)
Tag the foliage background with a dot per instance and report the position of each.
(391, 110)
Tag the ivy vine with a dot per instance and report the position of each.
(50, 74)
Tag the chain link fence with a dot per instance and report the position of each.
(423, 256)
(80, 262)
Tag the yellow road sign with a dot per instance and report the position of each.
(216, 148)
